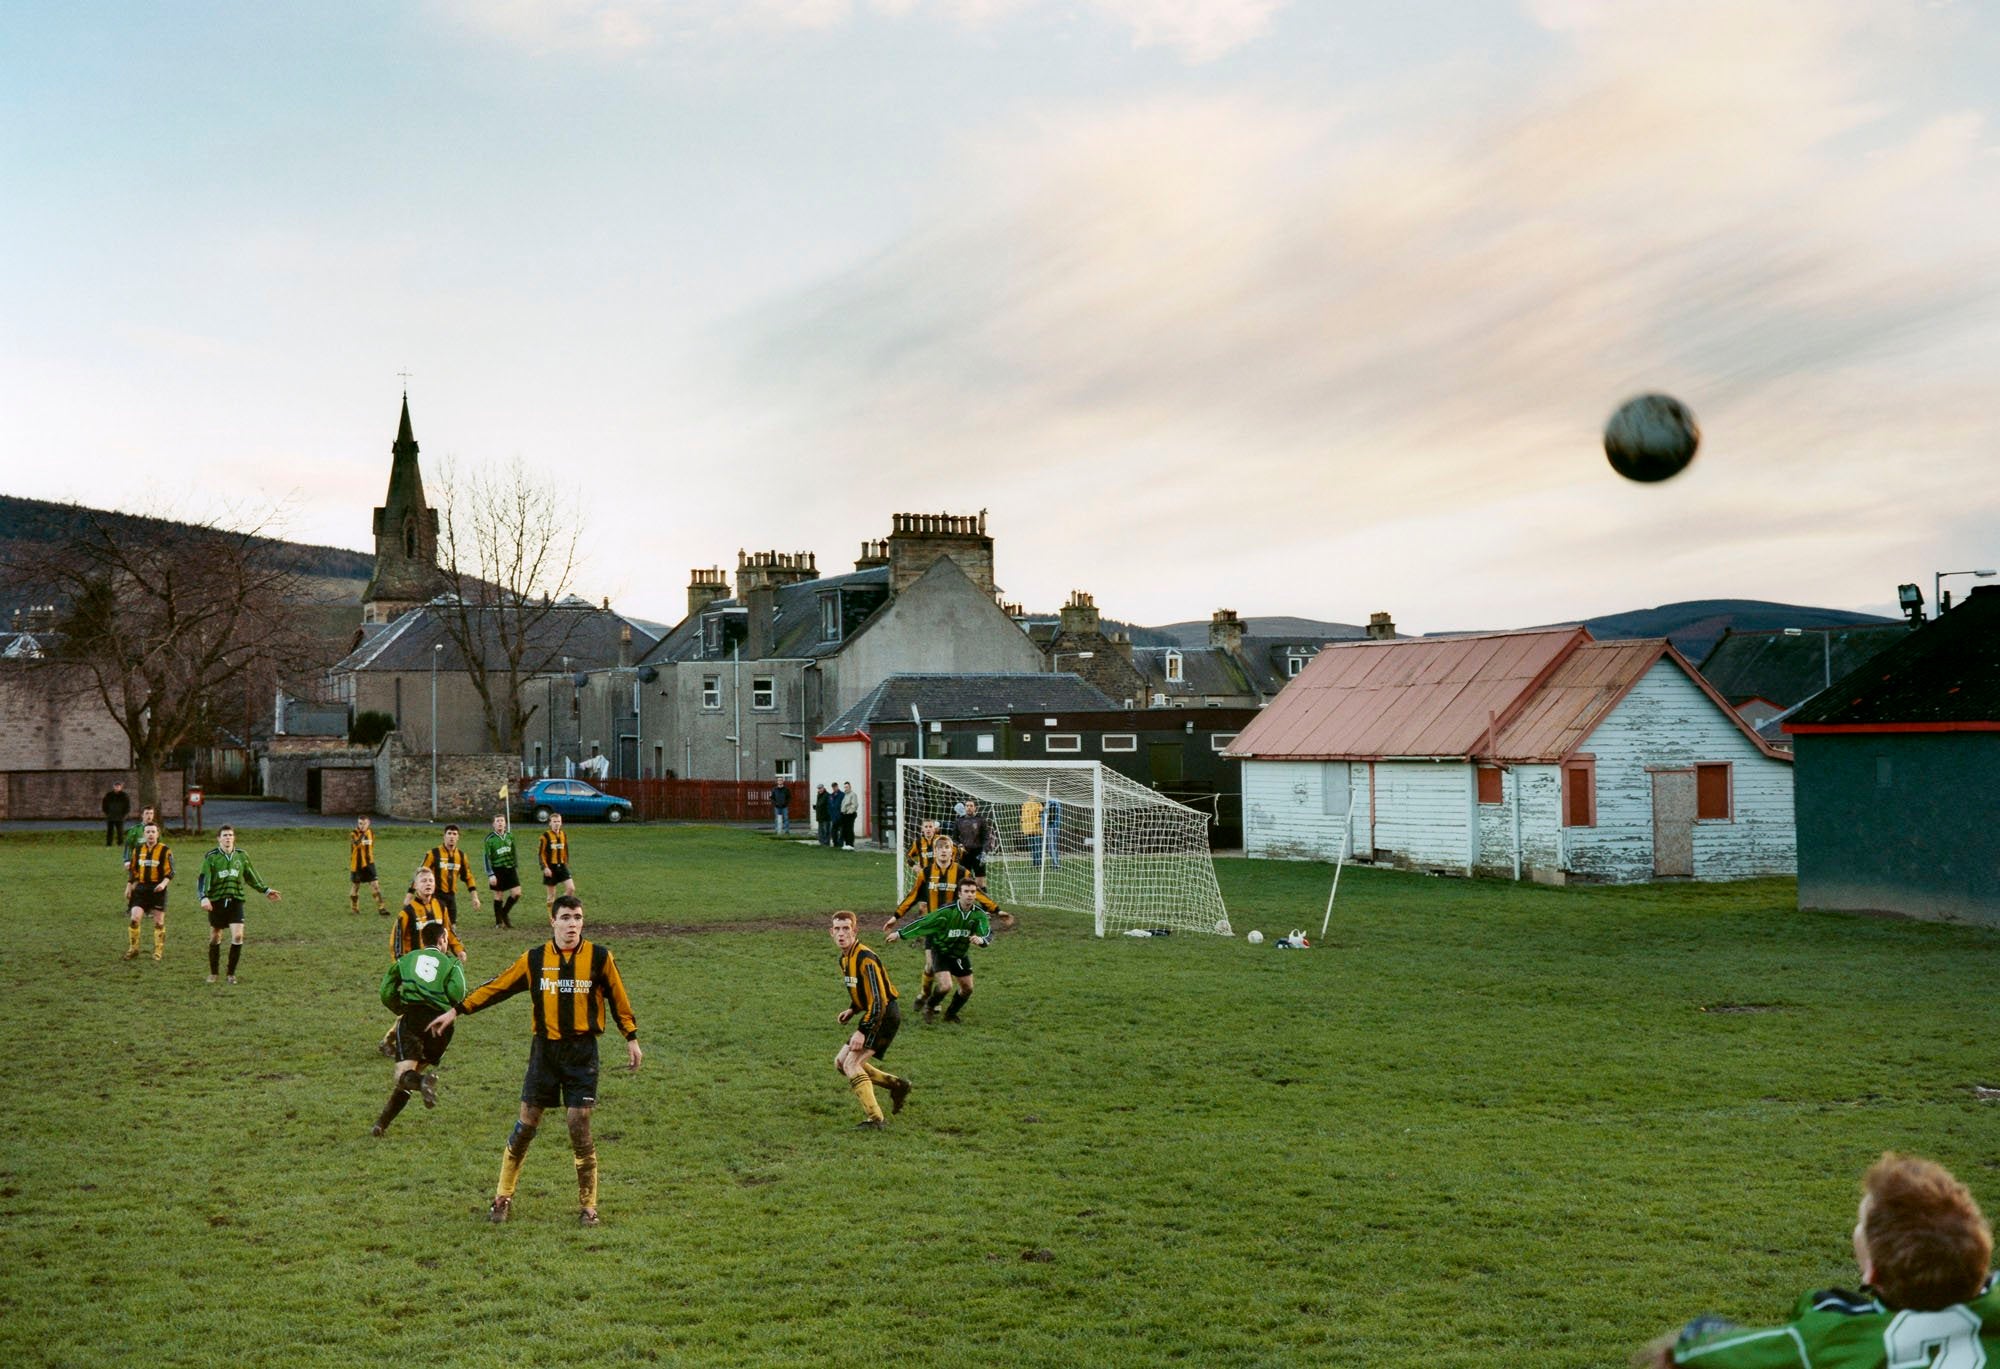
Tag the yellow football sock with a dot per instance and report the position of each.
(510, 1172)
(876, 1074)
(864, 1089)
(586, 1177)
(133, 941)
(924, 989)
(159, 943)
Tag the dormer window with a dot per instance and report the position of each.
(1293, 665)
(829, 617)
(711, 635)
(1173, 667)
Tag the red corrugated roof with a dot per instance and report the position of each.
(1554, 720)
(1428, 697)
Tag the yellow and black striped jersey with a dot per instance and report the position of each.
(415, 912)
(919, 849)
(450, 866)
(150, 864)
(569, 991)
(936, 886)
(360, 850)
(553, 849)
(869, 990)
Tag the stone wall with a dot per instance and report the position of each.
(346, 789)
(468, 786)
(61, 794)
(51, 718)
(289, 758)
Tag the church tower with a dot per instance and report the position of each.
(406, 531)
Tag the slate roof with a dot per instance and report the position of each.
(578, 629)
(950, 697)
(1204, 670)
(1789, 670)
(797, 621)
(1943, 677)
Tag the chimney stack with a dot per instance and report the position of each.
(1225, 630)
(625, 645)
(773, 568)
(1381, 627)
(705, 587)
(1079, 615)
(918, 541)
(873, 554)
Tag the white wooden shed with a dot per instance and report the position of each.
(1544, 754)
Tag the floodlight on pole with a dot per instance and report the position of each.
(1939, 577)
(1912, 601)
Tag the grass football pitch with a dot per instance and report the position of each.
(1476, 1125)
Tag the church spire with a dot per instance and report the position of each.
(406, 529)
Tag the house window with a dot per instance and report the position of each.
(1293, 665)
(1580, 794)
(1219, 741)
(829, 617)
(892, 747)
(1159, 701)
(787, 770)
(983, 744)
(711, 691)
(1120, 741)
(940, 746)
(1489, 784)
(763, 693)
(1062, 741)
(1173, 667)
(711, 635)
(1712, 799)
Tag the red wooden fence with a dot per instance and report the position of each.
(707, 800)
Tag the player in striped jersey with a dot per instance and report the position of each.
(148, 870)
(571, 983)
(933, 887)
(361, 866)
(453, 871)
(871, 994)
(553, 853)
(920, 847)
(420, 910)
(1928, 1300)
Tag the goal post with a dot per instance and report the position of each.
(1071, 835)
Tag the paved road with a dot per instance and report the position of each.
(244, 813)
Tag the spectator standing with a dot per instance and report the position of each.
(850, 809)
(781, 808)
(117, 806)
(823, 815)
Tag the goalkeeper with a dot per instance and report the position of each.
(949, 934)
(417, 987)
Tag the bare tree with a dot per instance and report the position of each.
(509, 556)
(163, 623)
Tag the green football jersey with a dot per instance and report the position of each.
(500, 851)
(1841, 1330)
(224, 873)
(428, 975)
(950, 928)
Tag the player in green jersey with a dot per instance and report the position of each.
(503, 871)
(950, 933)
(417, 987)
(1928, 1298)
(224, 873)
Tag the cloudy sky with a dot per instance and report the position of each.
(1289, 306)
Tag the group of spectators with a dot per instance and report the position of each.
(834, 812)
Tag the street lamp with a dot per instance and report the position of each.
(1937, 577)
(437, 650)
(1826, 650)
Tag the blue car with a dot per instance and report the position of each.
(573, 799)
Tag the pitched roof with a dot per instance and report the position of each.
(796, 623)
(575, 629)
(1432, 696)
(944, 697)
(1204, 670)
(1788, 669)
(1520, 697)
(1943, 677)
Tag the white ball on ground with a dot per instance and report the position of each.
(1255, 938)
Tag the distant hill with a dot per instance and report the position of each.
(1693, 627)
(334, 574)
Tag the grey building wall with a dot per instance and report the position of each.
(1900, 823)
(943, 625)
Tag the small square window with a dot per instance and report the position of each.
(711, 691)
(983, 743)
(1489, 784)
(1062, 741)
(1293, 665)
(763, 693)
(786, 769)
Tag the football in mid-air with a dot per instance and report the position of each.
(1255, 938)
(1651, 438)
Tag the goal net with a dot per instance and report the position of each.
(1071, 835)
